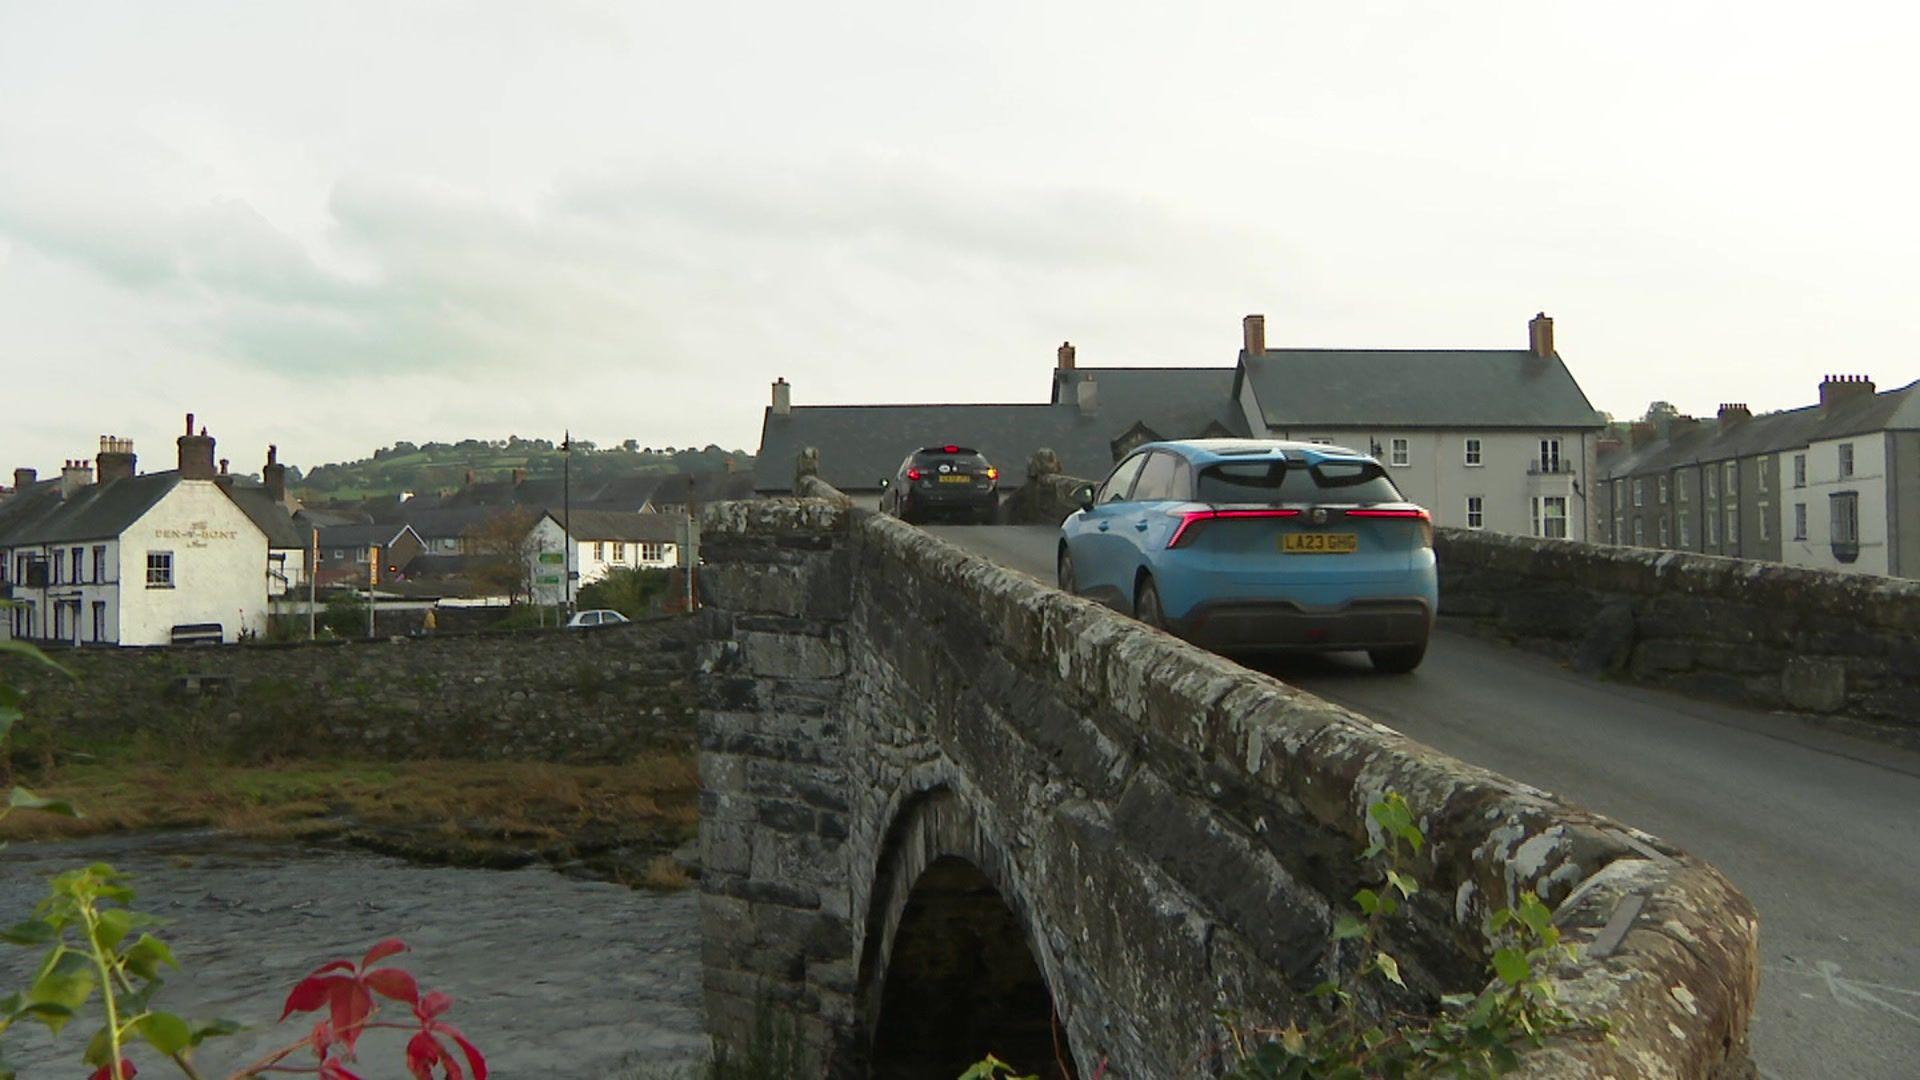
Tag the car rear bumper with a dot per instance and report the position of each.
(1256, 625)
(952, 498)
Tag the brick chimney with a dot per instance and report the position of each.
(1088, 395)
(1540, 336)
(75, 475)
(273, 476)
(196, 454)
(1835, 389)
(225, 478)
(115, 461)
(1065, 353)
(1642, 433)
(1253, 334)
(24, 479)
(782, 397)
(1734, 414)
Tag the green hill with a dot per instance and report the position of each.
(439, 466)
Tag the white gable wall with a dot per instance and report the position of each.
(219, 567)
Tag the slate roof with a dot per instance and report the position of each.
(271, 517)
(430, 524)
(613, 525)
(1770, 433)
(1415, 388)
(335, 536)
(1177, 403)
(860, 444)
(26, 506)
(94, 512)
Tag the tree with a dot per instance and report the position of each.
(505, 547)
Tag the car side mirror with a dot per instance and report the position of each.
(1084, 496)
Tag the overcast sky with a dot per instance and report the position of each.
(339, 224)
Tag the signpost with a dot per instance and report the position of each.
(373, 578)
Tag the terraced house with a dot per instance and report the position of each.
(1500, 439)
(112, 557)
(1834, 485)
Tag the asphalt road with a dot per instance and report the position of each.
(1820, 830)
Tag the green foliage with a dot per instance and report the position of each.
(528, 617)
(437, 466)
(344, 616)
(1472, 1035)
(633, 591)
(992, 1068)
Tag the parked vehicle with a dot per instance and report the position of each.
(1254, 545)
(596, 617)
(943, 481)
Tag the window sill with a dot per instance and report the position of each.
(151, 585)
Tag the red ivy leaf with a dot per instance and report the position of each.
(311, 993)
(475, 1059)
(422, 1053)
(389, 947)
(393, 983)
(352, 1007)
(433, 1004)
(105, 1072)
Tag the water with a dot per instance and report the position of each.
(553, 978)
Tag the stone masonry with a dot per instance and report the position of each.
(1173, 832)
(1758, 633)
(601, 695)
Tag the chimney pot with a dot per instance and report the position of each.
(1540, 336)
(1835, 389)
(196, 454)
(273, 476)
(189, 423)
(1253, 334)
(782, 397)
(116, 460)
(1066, 356)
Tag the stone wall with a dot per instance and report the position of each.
(1174, 833)
(1757, 633)
(1044, 500)
(599, 695)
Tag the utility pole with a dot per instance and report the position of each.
(686, 549)
(313, 587)
(566, 513)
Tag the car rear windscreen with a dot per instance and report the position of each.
(1293, 482)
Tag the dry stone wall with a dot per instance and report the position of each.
(1778, 637)
(599, 695)
(1174, 832)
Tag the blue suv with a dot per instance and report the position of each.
(1244, 545)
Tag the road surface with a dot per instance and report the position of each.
(1820, 830)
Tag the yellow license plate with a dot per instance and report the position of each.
(956, 479)
(1309, 543)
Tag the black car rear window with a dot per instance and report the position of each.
(962, 456)
(1293, 482)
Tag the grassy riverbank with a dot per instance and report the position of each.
(611, 821)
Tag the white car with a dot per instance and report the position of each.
(596, 617)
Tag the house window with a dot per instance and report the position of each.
(1639, 533)
(1713, 529)
(1639, 493)
(1476, 512)
(1680, 487)
(619, 551)
(599, 550)
(1619, 530)
(1402, 452)
(1799, 470)
(53, 569)
(1663, 491)
(1664, 539)
(653, 552)
(1550, 517)
(1846, 460)
(160, 569)
(79, 570)
(361, 555)
(1761, 470)
(99, 619)
(1766, 531)
(1845, 508)
(1686, 534)
(1713, 488)
(1799, 521)
(1733, 477)
(1549, 455)
(1311, 441)
(1733, 526)
(100, 562)
(1473, 452)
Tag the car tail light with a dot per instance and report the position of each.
(951, 449)
(913, 474)
(1404, 513)
(1191, 521)
(993, 473)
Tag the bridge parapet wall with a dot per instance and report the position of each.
(1759, 633)
(1174, 832)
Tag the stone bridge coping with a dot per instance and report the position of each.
(1669, 956)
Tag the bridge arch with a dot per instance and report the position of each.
(951, 968)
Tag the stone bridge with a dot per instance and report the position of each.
(948, 811)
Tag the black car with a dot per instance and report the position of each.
(950, 481)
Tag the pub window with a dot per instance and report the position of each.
(159, 569)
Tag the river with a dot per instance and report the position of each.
(552, 977)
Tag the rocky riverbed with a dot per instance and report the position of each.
(553, 977)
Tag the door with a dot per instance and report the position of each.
(1101, 553)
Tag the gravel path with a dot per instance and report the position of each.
(551, 977)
